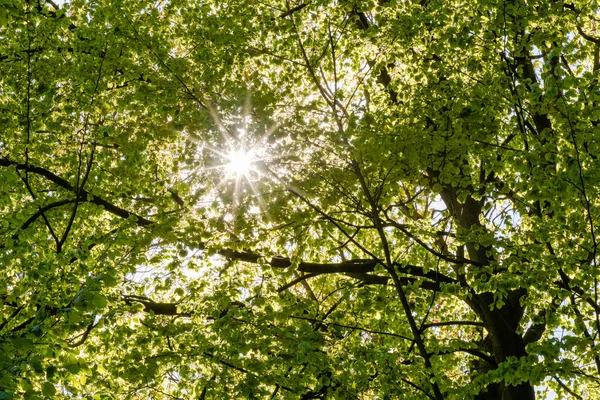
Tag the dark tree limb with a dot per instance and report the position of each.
(473, 352)
(299, 279)
(57, 180)
(83, 337)
(235, 367)
(150, 305)
(452, 323)
(566, 388)
(359, 328)
(419, 388)
(293, 10)
(11, 316)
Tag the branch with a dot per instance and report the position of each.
(14, 314)
(390, 267)
(451, 323)
(566, 388)
(419, 388)
(293, 10)
(156, 308)
(42, 210)
(565, 283)
(80, 185)
(473, 352)
(38, 214)
(296, 281)
(535, 331)
(384, 77)
(86, 333)
(442, 256)
(34, 197)
(368, 279)
(5, 162)
(357, 269)
(322, 322)
(586, 36)
(227, 364)
(350, 266)
(419, 271)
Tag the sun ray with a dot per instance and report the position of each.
(227, 135)
(261, 203)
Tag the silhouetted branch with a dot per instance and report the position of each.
(452, 323)
(86, 333)
(155, 307)
(4, 162)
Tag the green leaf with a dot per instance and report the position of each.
(48, 389)
(73, 368)
(50, 371)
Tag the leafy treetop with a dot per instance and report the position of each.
(284, 199)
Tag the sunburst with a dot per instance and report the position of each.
(240, 161)
(243, 151)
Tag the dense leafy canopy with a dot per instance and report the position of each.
(281, 199)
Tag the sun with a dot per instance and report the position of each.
(240, 161)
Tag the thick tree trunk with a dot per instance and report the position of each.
(501, 323)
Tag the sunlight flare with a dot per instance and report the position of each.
(240, 161)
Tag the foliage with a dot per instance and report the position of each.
(418, 219)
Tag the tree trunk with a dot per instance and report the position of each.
(500, 323)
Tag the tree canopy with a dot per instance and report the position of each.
(299, 199)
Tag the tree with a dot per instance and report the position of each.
(320, 199)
